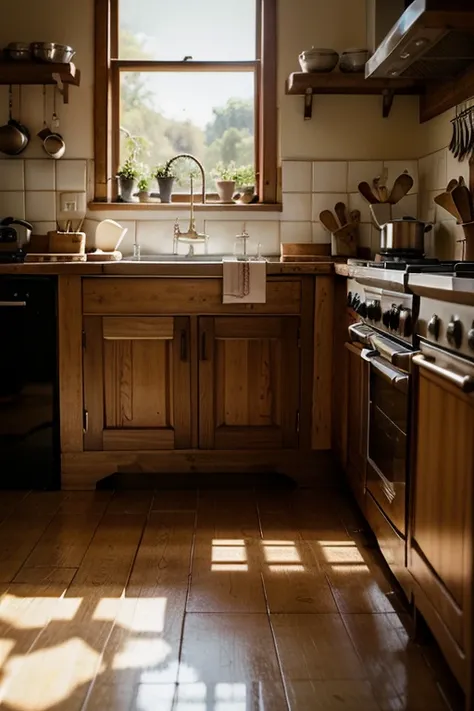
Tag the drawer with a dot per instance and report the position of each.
(104, 295)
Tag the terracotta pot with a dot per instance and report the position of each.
(143, 196)
(225, 190)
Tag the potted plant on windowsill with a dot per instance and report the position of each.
(144, 188)
(245, 185)
(225, 181)
(165, 178)
(128, 179)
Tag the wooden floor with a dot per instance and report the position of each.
(199, 601)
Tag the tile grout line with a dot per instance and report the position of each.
(112, 628)
(269, 619)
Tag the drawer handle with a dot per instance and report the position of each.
(463, 382)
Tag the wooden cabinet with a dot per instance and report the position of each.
(249, 382)
(137, 383)
(440, 555)
(357, 409)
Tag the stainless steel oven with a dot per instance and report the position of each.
(388, 422)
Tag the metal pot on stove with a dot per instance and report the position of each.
(8, 235)
(406, 235)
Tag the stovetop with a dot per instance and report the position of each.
(15, 257)
(418, 266)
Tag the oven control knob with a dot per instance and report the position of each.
(386, 318)
(454, 332)
(470, 337)
(362, 309)
(406, 323)
(374, 312)
(395, 318)
(434, 325)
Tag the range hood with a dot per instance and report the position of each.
(433, 39)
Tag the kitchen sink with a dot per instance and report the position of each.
(181, 258)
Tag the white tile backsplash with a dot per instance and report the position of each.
(433, 174)
(296, 232)
(71, 175)
(363, 170)
(296, 176)
(407, 207)
(268, 234)
(12, 174)
(357, 202)
(329, 176)
(296, 206)
(320, 234)
(40, 174)
(326, 201)
(12, 204)
(454, 168)
(40, 206)
(42, 228)
(157, 237)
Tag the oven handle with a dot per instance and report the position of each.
(463, 382)
(394, 376)
(9, 304)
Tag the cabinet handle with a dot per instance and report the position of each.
(463, 382)
(203, 346)
(184, 345)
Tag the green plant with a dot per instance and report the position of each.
(143, 183)
(245, 176)
(164, 171)
(129, 169)
(224, 172)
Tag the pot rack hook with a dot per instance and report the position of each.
(62, 87)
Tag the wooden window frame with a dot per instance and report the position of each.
(106, 97)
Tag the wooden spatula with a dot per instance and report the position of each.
(366, 191)
(402, 185)
(329, 221)
(463, 201)
(451, 185)
(340, 210)
(445, 200)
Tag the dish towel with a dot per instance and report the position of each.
(244, 282)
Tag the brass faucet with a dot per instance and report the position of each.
(192, 236)
(199, 165)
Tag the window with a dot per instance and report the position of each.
(186, 76)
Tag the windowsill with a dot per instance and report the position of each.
(176, 206)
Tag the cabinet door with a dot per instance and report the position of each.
(137, 383)
(249, 383)
(357, 417)
(441, 559)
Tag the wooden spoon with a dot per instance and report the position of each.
(402, 185)
(341, 213)
(366, 192)
(463, 201)
(451, 185)
(329, 221)
(445, 200)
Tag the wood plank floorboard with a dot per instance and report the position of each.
(200, 601)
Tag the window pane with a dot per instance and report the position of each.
(210, 115)
(206, 30)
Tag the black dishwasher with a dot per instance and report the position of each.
(29, 402)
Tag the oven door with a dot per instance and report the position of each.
(387, 445)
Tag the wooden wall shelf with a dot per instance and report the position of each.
(305, 84)
(22, 72)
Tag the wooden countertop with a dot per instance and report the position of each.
(178, 269)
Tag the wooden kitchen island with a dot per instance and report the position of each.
(157, 375)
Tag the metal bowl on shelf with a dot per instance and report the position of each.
(353, 60)
(318, 60)
(52, 52)
(18, 51)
